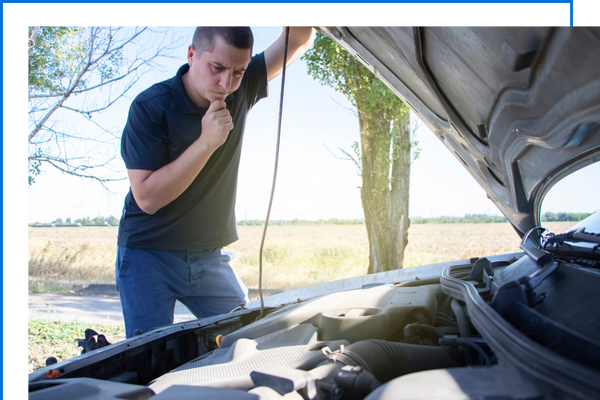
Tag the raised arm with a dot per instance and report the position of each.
(300, 40)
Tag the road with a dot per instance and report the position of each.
(94, 309)
(98, 304)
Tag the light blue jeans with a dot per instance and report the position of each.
(150, 281)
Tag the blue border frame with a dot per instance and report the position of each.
(3, 200)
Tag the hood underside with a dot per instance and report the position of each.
(519, 107)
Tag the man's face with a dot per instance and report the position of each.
(214, 75)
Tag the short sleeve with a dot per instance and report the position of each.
(144, 144)
(255, 80)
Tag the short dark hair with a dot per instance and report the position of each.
(236, 36)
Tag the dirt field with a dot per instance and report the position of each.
(294, 256)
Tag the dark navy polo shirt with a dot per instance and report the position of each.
(163, 122)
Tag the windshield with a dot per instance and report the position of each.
(591, 224)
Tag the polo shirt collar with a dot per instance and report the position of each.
(180, 96)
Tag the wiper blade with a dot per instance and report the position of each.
(573, 237)
(574, 245)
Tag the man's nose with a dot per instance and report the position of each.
(226, 80)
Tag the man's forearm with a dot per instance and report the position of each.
(153, 190)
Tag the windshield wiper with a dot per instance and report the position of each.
(574, 237)
(573, 244)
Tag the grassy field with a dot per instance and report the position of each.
(294, 256)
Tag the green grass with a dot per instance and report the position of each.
(49, 285)
(52, 338)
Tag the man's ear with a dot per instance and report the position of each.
(191, 52)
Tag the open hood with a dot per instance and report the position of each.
(519, 107)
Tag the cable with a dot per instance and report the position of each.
(262, 242)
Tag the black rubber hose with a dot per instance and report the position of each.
(389, 360)
(444, 319)
(412, 329)
(467, 342)
(470, 343)
(464, 329)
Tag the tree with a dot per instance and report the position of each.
(112, 221)
(76, 74)
(97, 221)
(550, 216)
(384, 153)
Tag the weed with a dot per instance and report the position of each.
(48, 338)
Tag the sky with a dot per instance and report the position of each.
(314, 181)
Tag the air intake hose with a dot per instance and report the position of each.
(389, 360)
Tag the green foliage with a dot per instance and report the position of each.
(330, 221)
(47, 337)
(56, 55)
(63, 61)
(467, 219)
(97, 221)
(101, 221)
(62, 54)
(482, 218)
(112, 221)
(32, 167)
(563, 216)
(78, 73)
(382, 114)
(84, 221)
(333, 66)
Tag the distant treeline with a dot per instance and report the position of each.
(98, 221)
(331, 221)
(486, 219)
(467, 219)
(561, 216)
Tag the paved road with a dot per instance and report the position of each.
(97, 304)
(95, 309)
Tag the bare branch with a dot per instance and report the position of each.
(53, 109)
(349, 157)
(102, 74)
(352, 110)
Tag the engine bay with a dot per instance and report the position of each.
(455, 336)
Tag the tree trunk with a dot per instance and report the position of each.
(401, 187)
(385, 204)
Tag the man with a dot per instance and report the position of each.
(181, 147)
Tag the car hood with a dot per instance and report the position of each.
(519, 107)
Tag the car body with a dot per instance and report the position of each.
(520, 108)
